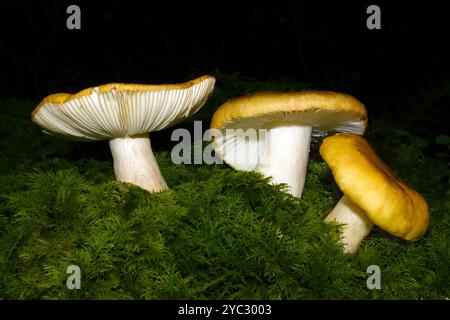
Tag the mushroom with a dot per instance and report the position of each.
(373, 194)
(290, 119)
(124, 114)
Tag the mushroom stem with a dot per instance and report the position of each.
(285, 155)
(356, 224)
(135, 163)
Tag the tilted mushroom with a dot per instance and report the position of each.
(124, 114)
(372, 193)
(290, 119)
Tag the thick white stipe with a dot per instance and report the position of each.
(285, 155)
(356, 225)
(135, 163)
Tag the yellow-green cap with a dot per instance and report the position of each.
(369, 183)
(322, 110)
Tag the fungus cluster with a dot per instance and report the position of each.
(372, 193)
(124, 114)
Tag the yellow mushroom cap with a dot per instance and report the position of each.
(119, 109)
(323, 110)
(369, 183)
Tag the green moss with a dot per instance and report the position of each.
(216, 234)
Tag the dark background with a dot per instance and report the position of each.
(323, 43)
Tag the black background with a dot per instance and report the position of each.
(324, 43)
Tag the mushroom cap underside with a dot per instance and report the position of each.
(120, 110)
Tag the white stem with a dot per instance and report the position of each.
(356, 224)
(135, 163)
(285, 156)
